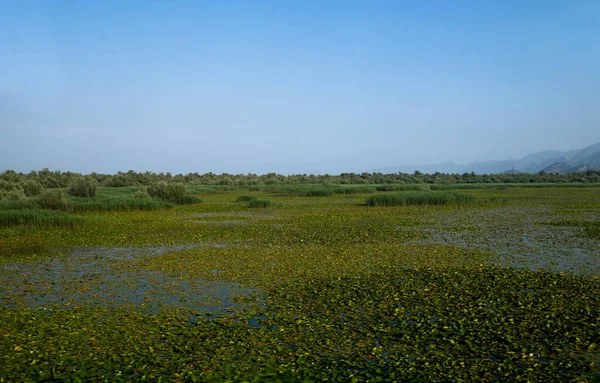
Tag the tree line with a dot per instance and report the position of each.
(31, 182)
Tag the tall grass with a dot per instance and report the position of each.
(354, 189)
(313, 190)
(39, 218)
(419, 198)
(21, 204)
(467, 186)
(187, 199)
(117, 204)
(245, 198)
(127, 199)
(402, 187)
(259, 203)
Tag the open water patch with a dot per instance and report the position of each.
(519, 236)
(103, 276)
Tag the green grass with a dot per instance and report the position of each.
(114, 204)
(402, 187)
(419, 198)
(39, 218)
(29, 203)
(313, 190)
(124, 199)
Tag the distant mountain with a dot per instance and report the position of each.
(550, 161)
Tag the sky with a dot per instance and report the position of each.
(293, 86)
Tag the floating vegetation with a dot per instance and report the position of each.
(312, 289)
(588, 228)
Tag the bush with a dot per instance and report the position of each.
(83, 187)
(167, 190)
(32, 188)
(13, 195)
(118, 181)
(259, 203)
(53, 200)
(141, 194)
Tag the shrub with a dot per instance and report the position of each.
(83, 187)
(259, 203)
(14, 195)
(119, 180)
(53, 200)
(32, 188)
(167, 190)
(141, 194)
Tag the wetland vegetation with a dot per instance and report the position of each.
(146, 277)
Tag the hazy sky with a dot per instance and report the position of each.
(293, 86)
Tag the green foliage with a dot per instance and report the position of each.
(167, 190)
(402, 187)
(32, 188)
(354, 190)
(259, 203)
(119, 180)
(118, 204)
(245, 198)
(53, 200)
(28, 203)
(58, 179)
(39, 218)
(317, 193)
(188, 199)
(141, 194)
(83, 187)
(313, 190)
(419, 198)
(13, 195)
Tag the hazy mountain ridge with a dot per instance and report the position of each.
(550, 161)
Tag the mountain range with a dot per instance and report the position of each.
(549, 161)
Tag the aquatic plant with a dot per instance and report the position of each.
(419, 198)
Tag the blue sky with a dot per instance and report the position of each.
(293, 86)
